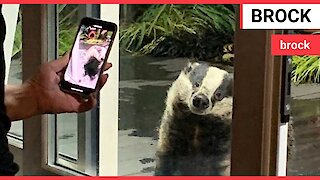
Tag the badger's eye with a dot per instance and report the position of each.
(218, 96)
(189, 69)
(197, 84)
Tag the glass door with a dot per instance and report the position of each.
(304, 126)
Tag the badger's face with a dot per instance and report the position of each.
(206, 85)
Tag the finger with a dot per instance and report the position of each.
(65, 53)
(107, 66)
(61, 63)
(59, 75)
(102, 81)
(89, 104)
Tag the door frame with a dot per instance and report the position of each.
(256, 108)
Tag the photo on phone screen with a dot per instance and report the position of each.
(88, 55)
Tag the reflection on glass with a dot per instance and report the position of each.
(304, 131)
(143, 88)
(15, 74)
(67, 130)
(67, 127)
(304, 127)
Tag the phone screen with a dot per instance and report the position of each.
(88, 55)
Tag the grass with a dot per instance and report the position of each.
(306, 69)
(173, 30)
(198, 31)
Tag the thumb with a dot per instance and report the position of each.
(104, 76)
(60, 64)
(102, 81)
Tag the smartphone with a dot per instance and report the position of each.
(89, 52)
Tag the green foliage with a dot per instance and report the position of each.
(180, 30)
(17, 45)
(306, 69)
(228, 54)
(68, 25)
(129, 12)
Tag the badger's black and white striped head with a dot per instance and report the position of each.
(202, 86)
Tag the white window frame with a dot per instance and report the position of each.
(109, 97)
(282, 149)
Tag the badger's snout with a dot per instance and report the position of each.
(201, 102)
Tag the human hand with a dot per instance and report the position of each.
(50, 98)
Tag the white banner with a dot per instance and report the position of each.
(280, 16)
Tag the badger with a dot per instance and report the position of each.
(91, 67)
(194, 135)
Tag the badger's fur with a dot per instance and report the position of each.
(194, 135)
(91, 67)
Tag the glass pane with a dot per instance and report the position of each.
(67, 128)
(156, 43)
(15, 73)
(76, 132)
(304, 128)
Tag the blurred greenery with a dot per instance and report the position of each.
(198, 31)
(68, 25)
(17, 45)
(306, 69)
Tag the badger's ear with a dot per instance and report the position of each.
(230, 84)
(225, 89)
(188, 68)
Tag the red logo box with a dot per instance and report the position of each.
(295, 44)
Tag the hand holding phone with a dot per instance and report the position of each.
(89, 53)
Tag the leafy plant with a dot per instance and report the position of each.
(179, 30)
(68, 25)
(306, 69)
(228, 54)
